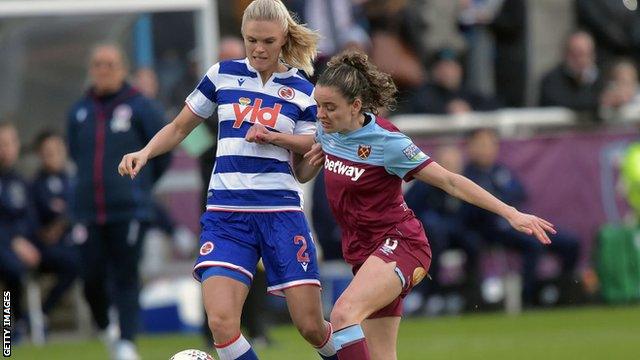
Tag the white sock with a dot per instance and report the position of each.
(328, 349)
(233, 349)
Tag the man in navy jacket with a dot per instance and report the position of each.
(110, 120)
(484, 169)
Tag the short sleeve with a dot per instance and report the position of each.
(402, 157)
(306, 124)
(202, 101)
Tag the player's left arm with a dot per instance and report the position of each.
(465, 189)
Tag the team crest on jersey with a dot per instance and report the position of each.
(364, 151)
(286, 93)
(206, 248)
(121, 121)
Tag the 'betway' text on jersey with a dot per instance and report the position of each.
(249, 176)
(363, 173)
(340, 168)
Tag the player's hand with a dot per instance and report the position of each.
(259, 134)
(315, 156)
(26, 251)
(532, 225)
(132, 163)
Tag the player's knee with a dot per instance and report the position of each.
(311, 330)
(223, 327)
(343, 315)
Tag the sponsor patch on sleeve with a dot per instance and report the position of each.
(413, 153)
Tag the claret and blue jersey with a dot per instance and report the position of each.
(363, 172)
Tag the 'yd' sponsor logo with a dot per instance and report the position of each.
(266, 116)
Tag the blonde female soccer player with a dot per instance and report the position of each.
(254, 207)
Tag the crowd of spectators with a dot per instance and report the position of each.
(446, 56)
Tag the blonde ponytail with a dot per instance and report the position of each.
(300, 49)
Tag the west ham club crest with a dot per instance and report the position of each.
(364, 151)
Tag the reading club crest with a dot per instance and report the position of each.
(286, 93)
(206, 248)
(364, 151)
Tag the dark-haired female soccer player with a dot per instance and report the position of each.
(365, 159)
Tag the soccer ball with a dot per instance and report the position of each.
(192, 354)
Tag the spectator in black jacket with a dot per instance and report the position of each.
(615, 28)
(576, 82)
(446, 93)
(18, 253)
(51, 192)
(110, 120)
(484, 169)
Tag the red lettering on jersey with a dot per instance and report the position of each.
(266, 116)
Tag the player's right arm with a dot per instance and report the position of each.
(165, 140)
(307, 167)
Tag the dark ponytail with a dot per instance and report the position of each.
(355, 77)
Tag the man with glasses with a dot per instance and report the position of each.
(111, 119)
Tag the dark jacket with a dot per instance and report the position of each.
(501, 183)
(101, 130)
(51, 194)
(434, 99)
(423, 198)
(17, 216)
(558, 88)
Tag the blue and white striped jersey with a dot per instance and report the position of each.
(249, 176)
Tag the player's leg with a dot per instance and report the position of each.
(291, 265)
(375, 285)
(228, 257)
(376, 292)
(382, 337)
(223, 300)
(305, 307)
(253, 319)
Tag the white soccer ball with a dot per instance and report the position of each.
(192, 354)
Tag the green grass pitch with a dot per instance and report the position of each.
(580, 333)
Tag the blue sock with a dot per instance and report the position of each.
(347, 335)
(238, 349)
